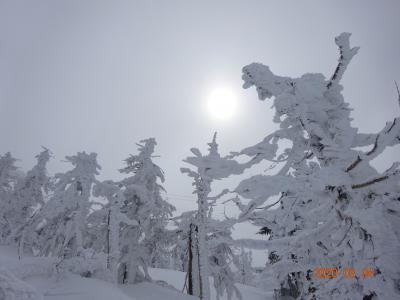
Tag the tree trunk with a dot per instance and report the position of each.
(203, 253)
(190, 263)
(108, 239)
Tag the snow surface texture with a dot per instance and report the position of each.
(32, 279)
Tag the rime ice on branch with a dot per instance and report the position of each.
(333, 207)
(65, 215)
(209, 167)
(143, 203)
(8, 180)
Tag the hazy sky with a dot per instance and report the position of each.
(102, 75)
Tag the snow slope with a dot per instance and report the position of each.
(177, 279)
(37, 274)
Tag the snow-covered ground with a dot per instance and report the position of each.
(37, 274)
(177, 280)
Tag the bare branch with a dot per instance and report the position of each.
(375, 146)
(387, 137)
(224, 192)
(270, 205)
(392, 171)
(391, 127)
(370, 182)
(354, 164)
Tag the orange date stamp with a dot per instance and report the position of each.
(348, 273)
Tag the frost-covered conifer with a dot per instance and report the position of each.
(208, 168)
(64, 217)
(143, 203)
(160, 246)
(185, 250)
(326, 206)
(28, 198)
(7, 173)
(114, 219)
(221, 259)
(8, 180)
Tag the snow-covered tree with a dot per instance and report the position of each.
(64, 217)
(143, 203)
(221, 259)
(28, 198)
(8, 180)
(114, 219)
(184, 237)
(185, 250)
(327, 206)
(160, 247)
(208, 168)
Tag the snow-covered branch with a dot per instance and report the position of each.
(346, 54)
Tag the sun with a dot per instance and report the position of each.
(222, 103)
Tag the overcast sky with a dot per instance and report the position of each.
(101, 75)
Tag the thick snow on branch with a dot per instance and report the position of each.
(346, 54)
(142, 216)
(213, 166)
(266, 83)
(213, 253)
(334, 206)
(260, 187)
(66, 213)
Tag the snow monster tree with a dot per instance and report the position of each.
(211, 237)
(144, 205)
(327, 206)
